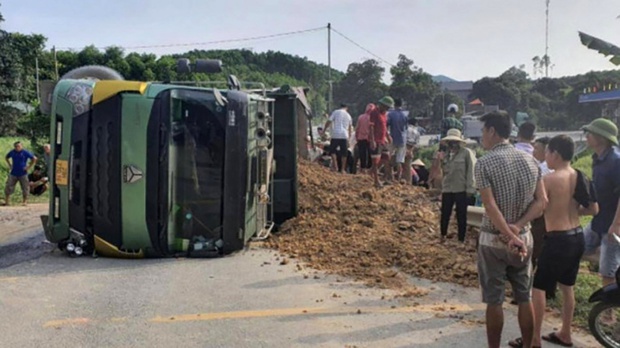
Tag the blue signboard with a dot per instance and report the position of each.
(600, 96)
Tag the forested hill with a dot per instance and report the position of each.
(273, 69)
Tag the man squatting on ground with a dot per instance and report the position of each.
(513, 194)
(37, 181)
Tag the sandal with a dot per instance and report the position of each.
(553, 338)
(518, 343)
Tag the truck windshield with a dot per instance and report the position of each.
(196, 167)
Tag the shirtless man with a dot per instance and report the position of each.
(570, 195)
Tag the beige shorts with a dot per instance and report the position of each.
(12, 181)
(398, 152)
(496, 264)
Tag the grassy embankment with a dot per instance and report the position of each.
(6, 144)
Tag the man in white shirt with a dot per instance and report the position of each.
(540, 147)
(525, 137)
(342, 128)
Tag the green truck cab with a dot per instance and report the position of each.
(144, 169)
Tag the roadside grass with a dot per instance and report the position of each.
(584, 163)
(6, 145)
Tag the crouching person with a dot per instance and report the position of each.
(38, 183)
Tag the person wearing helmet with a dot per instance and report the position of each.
(602, 138)
(451, 122)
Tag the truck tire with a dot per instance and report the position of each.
(93, 72)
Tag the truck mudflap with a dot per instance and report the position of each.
(46, 228)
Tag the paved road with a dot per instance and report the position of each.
(247, 300)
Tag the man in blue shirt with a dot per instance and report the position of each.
(602, 138)
(397, 124)
(17, 159)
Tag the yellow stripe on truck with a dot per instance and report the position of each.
(107, 89)
(106, 249)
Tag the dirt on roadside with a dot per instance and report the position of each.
(16, 221)
(378, 236)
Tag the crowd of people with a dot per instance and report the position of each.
(531, 233)
(381, 144)
(25, 169)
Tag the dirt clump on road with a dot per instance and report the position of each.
(378, 236)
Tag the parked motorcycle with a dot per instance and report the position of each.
(604, 318)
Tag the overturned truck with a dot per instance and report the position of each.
(146, 169)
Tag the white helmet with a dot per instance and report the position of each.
(453, 108)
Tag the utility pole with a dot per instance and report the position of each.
(547, 60)
(329, 67)
(55, 62)
(443, 103)
(36, 63)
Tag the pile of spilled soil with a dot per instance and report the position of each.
(380, 236)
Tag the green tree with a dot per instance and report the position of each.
(29, 49)
(362, 84)
(9, 83)
(414, 86)
(509, 91)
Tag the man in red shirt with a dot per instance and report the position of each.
(379, 137)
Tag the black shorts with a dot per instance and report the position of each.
(37, 191)
(339, 147)
(559, 259)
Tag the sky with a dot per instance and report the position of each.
(462, 39)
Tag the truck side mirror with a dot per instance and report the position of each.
(46, 91)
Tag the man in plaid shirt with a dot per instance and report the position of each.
(513, 194)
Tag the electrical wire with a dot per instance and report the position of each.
(362, 47)
(253, 38)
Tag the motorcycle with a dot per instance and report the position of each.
(604, 317)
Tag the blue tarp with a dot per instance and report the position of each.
(600, 96)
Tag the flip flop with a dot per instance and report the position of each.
(553, 338)
(518, 343)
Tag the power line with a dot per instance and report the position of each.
(363, 48)
(212, 42)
